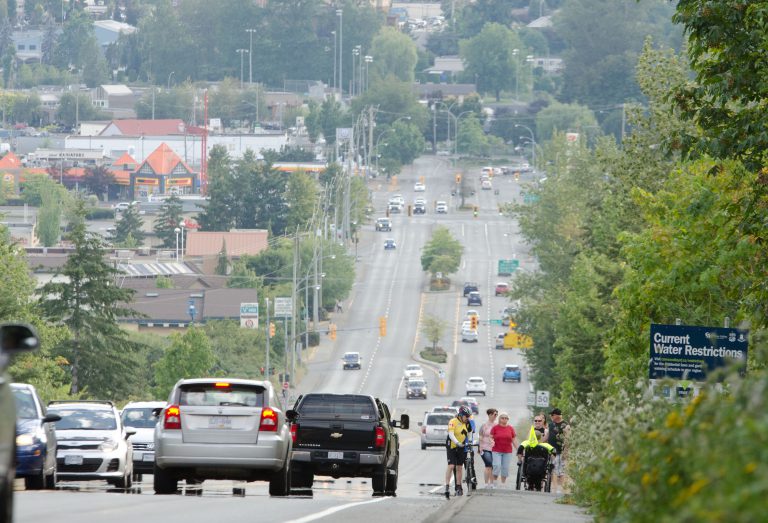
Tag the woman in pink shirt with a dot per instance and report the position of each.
(486, 445)
(504, 441)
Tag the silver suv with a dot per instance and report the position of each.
(92, 442)
(434, 428)
(222, 429)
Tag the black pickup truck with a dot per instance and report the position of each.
(345, 435)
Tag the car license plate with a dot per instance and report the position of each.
(220, 422)
(73, 460)
(335, 455)
(149, 456)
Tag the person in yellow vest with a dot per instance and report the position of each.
(458, 430)
(534, 456)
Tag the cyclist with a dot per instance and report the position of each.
(458, 429)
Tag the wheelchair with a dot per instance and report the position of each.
(535, 472)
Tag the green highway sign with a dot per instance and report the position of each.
(495, 322)
(507, 267)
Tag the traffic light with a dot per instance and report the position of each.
(458, 178)
(473, 322)
(383, 326)
(333, 331)
(271, 330)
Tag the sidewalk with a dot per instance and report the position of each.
(508, 505)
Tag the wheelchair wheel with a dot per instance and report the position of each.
(519, 476)
(548, 479)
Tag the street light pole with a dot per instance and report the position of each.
(181, 226)
(368, 60)
(241, 52)
(250, 55)
(516, 54)
(334, 59)
(340, 14)
(177, 231)
(533, 141)
(169, 79)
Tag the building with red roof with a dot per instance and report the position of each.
(135, 127)
(163, 172)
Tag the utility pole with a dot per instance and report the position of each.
(250, 55)
(268, 335)
(370, 137)
(340, 14)
(315, 311)
(294, 302)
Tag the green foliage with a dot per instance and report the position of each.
(433, 328)
(491, 59)
(164, 282)
(49, 217)
(404, 143)
(168, 220)
(472, 140)
(74, 107)
(442, 253)
(302, 191)
(97, 180)
(130, 224)
(329, 119)
(190, 355)
(240, 352)
(565, 118)
(35, 185)
(395, 56)
(177, 102)
(222, 264)
(242, 277)
(99, 213)
(88, 303)
(394, 99)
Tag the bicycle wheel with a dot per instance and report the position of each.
(468, 473)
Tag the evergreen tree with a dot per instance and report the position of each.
(219, 214)
(87, 301)
(223, 263)
(49, 218)
(168, 220)
(49, 43)
(129, 225)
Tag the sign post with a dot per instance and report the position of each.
(249, 315)
(542, 398)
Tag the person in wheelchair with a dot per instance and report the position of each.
(534, 456)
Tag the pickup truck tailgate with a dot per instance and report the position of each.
(336, 435)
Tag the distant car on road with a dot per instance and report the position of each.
(469, 286)
(416, 388)
(475, 385)
(413, 371)
(467, 402)
(123, 206)
(419, 208)
(502, 288)
(474, 298)
(486, 185)
(383, 224)
(469, 335)
(445, 410)
(511, 373)
(419, 187)
(389, 244)
(351, 360)
(35, 439)
(222, 429)
(441, 207)
(434, 428)
(140, 416)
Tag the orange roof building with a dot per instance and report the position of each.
(163, 172)
(122, 168)
(10, 161)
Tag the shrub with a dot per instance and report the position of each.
(437, 355)
(642, 459)
(97, 213)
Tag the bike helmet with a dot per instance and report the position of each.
(464, 411)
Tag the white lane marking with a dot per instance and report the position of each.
(334, 510)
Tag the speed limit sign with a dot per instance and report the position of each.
(285, 385)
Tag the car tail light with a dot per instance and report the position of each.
(380, 437)
(294, 430)
(424, 429)
(268, 420)
(172, 418)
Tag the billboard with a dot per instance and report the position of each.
(686, 352)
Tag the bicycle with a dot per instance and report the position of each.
(470, 476)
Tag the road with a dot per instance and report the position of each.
(389, 284)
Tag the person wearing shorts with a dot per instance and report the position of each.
(458, 429)
(504, 441)
(558, 431)
(486, 445)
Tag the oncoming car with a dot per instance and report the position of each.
(416, 388)
(351, 360)
(389, 244)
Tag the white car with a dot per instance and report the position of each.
(472, 312)
(122, 206)
(419, 187)
(441, 207)
(486, 185)
(466, 324)
(413, 371)
(140, 416)
(475, 385)
(442, 410)
(469, 335)
(398, 199)
(419, 201)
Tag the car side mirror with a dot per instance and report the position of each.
(18, 337)
(291, 415)
(51, 418)
(129, 431)
(404, 422)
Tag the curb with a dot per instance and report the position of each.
(448, 511)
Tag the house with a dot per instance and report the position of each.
(206, 246)
(122, 169)
(49, 105)
(28, 44)
(13, 172)
(446, 68)
(163, 172)
(117, 100)
(137, 127)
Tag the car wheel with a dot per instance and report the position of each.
(138, 476)
(379, 481)
(392, 480)
(164, 482)
(36, 482)
(423, 446)
(280, 482)
(126, 481)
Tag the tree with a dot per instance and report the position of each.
(129, 225)
(49, 218)
(222, 265)
(87, 301)
(168, 220)
(302, 193)
(395, 56)
(98, 179)
(74, 107)
(330, 118)
(242, 277)
(223, 205)
(189, 356)
(442, 253)
(491, 59)
(565, 118)
(35, 185)
(473, 17)
(433, 328)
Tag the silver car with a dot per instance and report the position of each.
(434, 428)
(140, 416)
(92, 442)
(222, 429)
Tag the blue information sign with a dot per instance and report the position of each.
(689, 352)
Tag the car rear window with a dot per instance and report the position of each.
(73, 418)
(438, 419)
(209, 394)
(337, 407)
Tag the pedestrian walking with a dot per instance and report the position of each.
(558, 430)
(339, 308)
(486, 445)
(504, 441)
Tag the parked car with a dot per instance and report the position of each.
(502, 288)
(383, 224)
(511, 373)
(345, 435)
(469, 286)
(92, 443)
(434, 429)
(416, 388)
(475, 385)
(140, 416)
(35, 439)
(14, 339)
(222, 429)
(413, 371)
(394, 208)
(351, 360)
(474, 298)
(486, 185)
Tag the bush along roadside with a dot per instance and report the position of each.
(643, 459)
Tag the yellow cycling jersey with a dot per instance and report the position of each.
(459, 429)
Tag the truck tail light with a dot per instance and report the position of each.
(268, 420)
(294, 429)
(424, 429)
(172, 419)
(380, 437)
